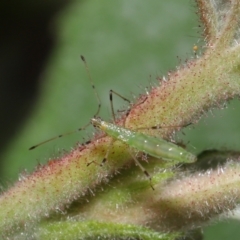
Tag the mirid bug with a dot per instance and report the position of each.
(153, 146)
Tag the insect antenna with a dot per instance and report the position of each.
(93, 86)
(59, 136)
(84, 127)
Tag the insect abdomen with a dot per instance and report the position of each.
(160, 148)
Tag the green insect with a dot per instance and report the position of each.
(153, 146)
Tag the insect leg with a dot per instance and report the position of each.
(143, 169)
(159, 126)
(108, 151)
(111, 92)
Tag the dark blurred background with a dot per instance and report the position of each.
(44, 89)
(25, 46)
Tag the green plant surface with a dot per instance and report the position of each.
(114, 43)
(124, 43)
